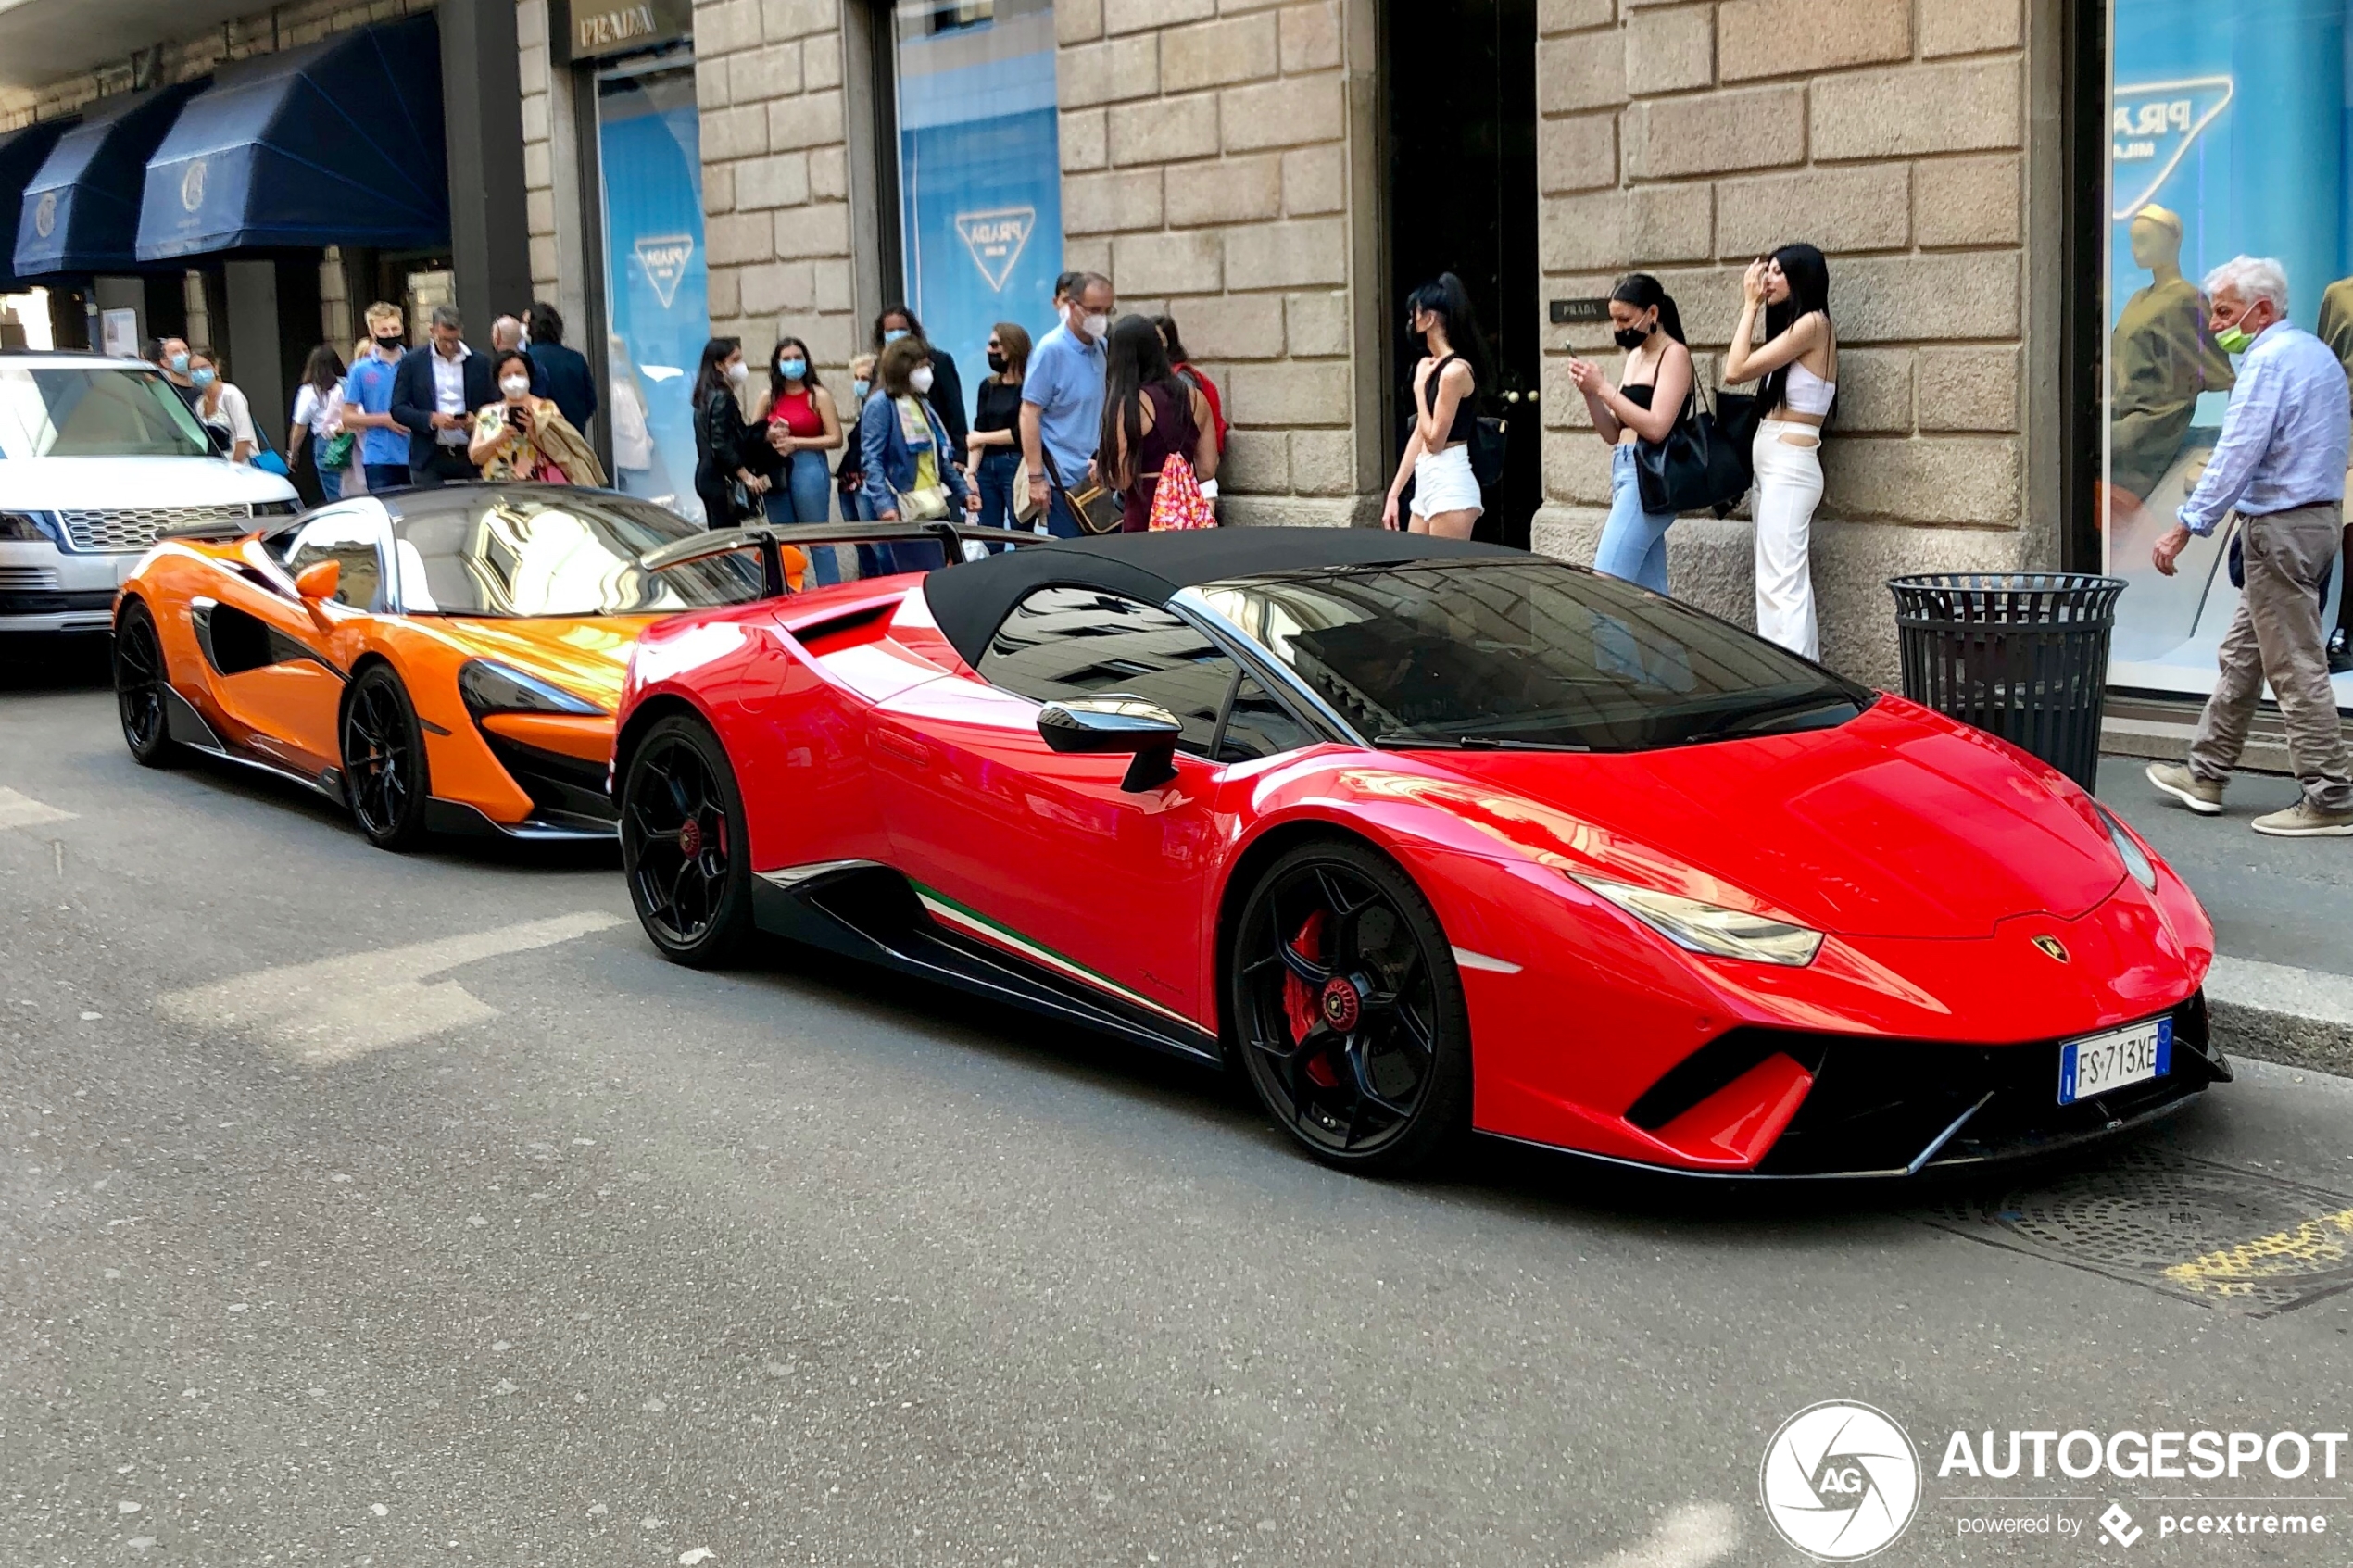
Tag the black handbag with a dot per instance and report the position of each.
(1737, 416)
(1096, 509)
(1487, 450)
(1696, 467)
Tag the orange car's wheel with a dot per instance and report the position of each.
(1348, 1011)
(383, 761)
(684, 849)
(139, 684)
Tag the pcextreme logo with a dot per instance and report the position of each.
(1840, 1481)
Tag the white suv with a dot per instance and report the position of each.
(97, 456)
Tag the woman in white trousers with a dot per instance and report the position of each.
(1799, 362)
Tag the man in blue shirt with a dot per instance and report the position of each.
(367, 402)
(1061, 400)
(2281, 464)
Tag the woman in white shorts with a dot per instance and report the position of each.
(1446, 383)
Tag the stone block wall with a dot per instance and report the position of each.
(1685, 139)
(1207, 151)
(775, 171)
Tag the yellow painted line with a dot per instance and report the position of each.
(2325, 1242)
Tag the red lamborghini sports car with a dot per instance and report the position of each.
(1422, 836)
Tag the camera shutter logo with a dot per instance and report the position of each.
(45, 214)
(191, 186)
(1840, 1481)
(2116, 1525)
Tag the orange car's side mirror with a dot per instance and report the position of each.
(320, 580)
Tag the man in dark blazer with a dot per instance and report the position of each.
(434, 393)
(566, 369)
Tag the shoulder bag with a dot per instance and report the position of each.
(1697, 468)
(1096, 509)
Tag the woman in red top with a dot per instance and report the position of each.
(801, 426)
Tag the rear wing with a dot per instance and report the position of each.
(769, 539)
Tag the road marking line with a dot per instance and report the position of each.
(2322, 1243)
(1691, 1536)
(24, 811)
(334, 1010)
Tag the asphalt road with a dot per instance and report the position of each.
(473, 1232)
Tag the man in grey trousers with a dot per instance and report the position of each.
(2281, 464)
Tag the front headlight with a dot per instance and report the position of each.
(490, 688)
(1709, 928)
(29, 527)
(2136, 860)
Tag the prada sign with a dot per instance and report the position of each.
(602, 27)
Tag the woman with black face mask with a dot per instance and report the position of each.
(1445, 403)
(1643, 407)
(993, 447)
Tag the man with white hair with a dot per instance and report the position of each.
(507, 332)
(2281, 464)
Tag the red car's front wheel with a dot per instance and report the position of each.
(683, 843)
(1348, 1011)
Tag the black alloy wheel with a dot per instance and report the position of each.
(1348, 1009)
(383, 761)
(139, 684)
(683, 847)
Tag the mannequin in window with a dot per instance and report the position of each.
(2163, 357)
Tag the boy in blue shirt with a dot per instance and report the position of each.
(367, 402)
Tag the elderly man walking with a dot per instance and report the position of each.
(2281, 463)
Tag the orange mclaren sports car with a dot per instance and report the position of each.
(436, 660)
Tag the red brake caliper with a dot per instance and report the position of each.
(1302, 1006)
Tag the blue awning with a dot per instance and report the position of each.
(80, 212)
(21, 156)
(339, 142)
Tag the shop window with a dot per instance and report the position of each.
(979, 169)
(2226, 135)
(648, 154)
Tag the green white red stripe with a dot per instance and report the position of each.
(965, 918)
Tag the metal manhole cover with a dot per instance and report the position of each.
(2235, 1239)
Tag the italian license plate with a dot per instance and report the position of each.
(2115, 1059)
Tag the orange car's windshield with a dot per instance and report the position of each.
(555, 553)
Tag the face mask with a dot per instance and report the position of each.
(894, 334)
(180, 364)
(736, 372)
(792, 369)
(920, 379)
(996, 360)
(2234, 338)
(514, 386)
(390, 345)
(200, 379)
(1632, 338)
(1096, 324)
(859, 387)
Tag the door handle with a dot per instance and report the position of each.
(901, 747)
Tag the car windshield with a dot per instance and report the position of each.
(1526, 654)
(555, 553)
(93, 411)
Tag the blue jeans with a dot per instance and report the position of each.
(804, 493)
(1633, 542)
(998, 465)
(330, 483)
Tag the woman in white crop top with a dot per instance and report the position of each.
(1799, 362)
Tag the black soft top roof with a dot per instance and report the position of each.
(971, 600)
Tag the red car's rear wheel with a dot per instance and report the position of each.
(683, 843)
(1349, 1009)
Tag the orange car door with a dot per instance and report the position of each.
(270, 649)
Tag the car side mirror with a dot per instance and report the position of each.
(1115, 726)
(319, 581)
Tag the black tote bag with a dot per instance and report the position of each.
(1697, 468)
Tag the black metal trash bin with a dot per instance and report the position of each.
(2022, 655)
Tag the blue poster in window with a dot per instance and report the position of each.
(2227, 135)
(980, 173)
(649, 144)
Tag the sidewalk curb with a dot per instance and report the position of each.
(2271, 1012)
